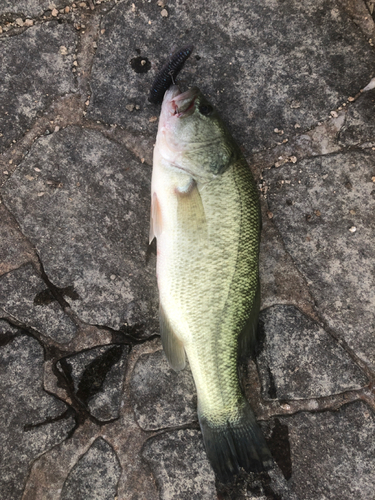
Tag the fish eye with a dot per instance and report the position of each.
(205, 109)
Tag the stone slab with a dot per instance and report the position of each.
(265, 65)
(180, 466)
(97, 377)
(32, 420)
(324, 209)
(299, 360)
(95, 475)
(162, 397)
(34, 70)
(25, 296)
(333, 453)
(359, 125)
(86, 210)
(15, 250)
(30, 8)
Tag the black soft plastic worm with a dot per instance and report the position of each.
(168, 74)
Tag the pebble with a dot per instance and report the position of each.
(130, 107)
(63, 50)
(55, 12)
(29, 22)
(164, 13)
(353, 229)
(153, 119)
(19, 21)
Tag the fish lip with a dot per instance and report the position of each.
(180, 104)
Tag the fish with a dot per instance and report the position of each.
(168, 74)
(205, 216)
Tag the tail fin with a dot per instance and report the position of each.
(236, 444)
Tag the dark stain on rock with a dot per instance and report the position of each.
(140, 64)
(95, 374)
(70, 292)
(272, 390)
(44, 298)
(6, 338)
(280, 448)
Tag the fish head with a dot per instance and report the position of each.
(192, 136)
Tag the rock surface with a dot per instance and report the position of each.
(299, 360)
(180, 466)
(340, 444)
(95, 476)
(97, 378)
(35, 69)
(324, 209)
(32, 420)
(89, 406)
(25, 297)
(162, 397)
(91, 231)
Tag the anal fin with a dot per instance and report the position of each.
(173, 347)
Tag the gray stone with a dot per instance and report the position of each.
(97, 377)
(299, 360)
(95, 475)
(87, 214)
(25, 296)
(324, 210)
(359, 126)
(333, 453)
(162, 397)
(34, 71)
(30, 8)
(32, 421)
(265, 65)
(15, 250)
(180, 466)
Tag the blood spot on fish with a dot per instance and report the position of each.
(140, 64)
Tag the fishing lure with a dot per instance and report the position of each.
(168, 74)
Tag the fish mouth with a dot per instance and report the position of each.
(180, 104)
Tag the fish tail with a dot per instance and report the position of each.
(236, 444)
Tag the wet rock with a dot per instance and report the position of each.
(281, 63)
(33, 71)
(32, 420)
(7, 332)
(337, 446)
(25, 296)
(180, 466)
(300, 360)
(97, 379)
(95, 475)
(324, 210)
(359, 126)
(30, 8)
(87, 214)
(162, 397)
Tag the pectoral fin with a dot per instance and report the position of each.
(173, 347)
(156, 226)
(190, 208)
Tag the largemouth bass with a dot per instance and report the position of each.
(206, 218)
